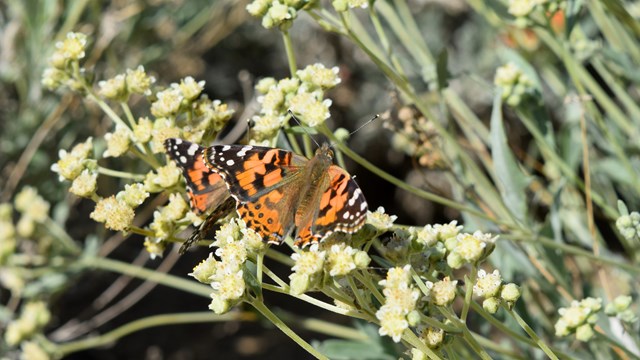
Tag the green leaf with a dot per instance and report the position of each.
(353, 350)
(441, 69)
(382, 261)
(250, 279)
(572, 15)
(620, 11)
(614, 169)
(622, 208)
(510, 180)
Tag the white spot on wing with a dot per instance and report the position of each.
(178, 141)
(192, 149)
(226, 147)
(183, 159)
(244, 150)
(230, 162)
(346, 215)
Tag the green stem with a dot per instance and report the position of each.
(62, 236)
(548, 242)
(275, 278)
(264, 310)
(414, 341)
(469, 281)
(532, 334)
(616, 345)
(145, 232)
(323, 327)
(361, 301)
(149, 159)
(280, 257)
(466, 334)
(128, 114)
(120, 174)
(147, 274)
(145, 323)
(367, 281)
(318, 303)
(106, 108)
(291, 57)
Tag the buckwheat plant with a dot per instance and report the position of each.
(530, 146)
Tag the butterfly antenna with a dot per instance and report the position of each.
(361, 126)
(301, 126)
(365, 124)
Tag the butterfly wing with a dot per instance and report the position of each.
(342, 208)
(264, 181)
(208, 225)
(205, 187)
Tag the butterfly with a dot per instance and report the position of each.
(279, 193)
(205, 188)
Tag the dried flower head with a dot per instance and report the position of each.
(115, 214)
(85, 184)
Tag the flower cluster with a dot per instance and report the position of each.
(326, 258)
(469, 248)
(121, 86)
(234, 243)
(443, 292)
(7, 233)
(579, 318)
(445, 241)
(63, 61)
(115, 214)
(416, 136)
(522, 8)
(71, 164)
(180, 110)
(343, 5)
(78, 167)
(620, 308)
(164, 224)
(280, 13)
(206, 118)
(525, 10)
(307, 271)
(34, 210)
(303, 95)
(629, 225)
(117, 211)
(431, 336)
(514, 84)
(380, 220)
(33, 318)
(400, 300)
(490, 287)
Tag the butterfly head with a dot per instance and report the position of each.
(325, 153)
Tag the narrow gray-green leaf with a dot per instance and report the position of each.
(511, 181)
